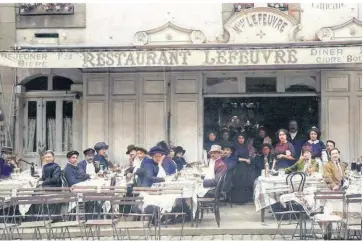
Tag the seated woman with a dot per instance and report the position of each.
(305, 164)
(7, 164)
(179, 157)
(263, 154)
(284, 151)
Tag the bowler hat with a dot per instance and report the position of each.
(100, 146)
(179, 149)
(141, 149)
(6, 149)
(157, 149)
(71, 153)
(131, 148)
(89, 151)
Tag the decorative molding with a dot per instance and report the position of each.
(350, 30)
(169, 33)
(264, 25)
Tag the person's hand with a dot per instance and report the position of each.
(280, 156)
(288, 153)
(248, 161)
(129, 175)
(161, 179)
(336, 188)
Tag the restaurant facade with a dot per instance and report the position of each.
(163, 82)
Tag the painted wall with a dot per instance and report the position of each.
(116, 24)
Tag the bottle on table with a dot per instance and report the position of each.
(266, 167)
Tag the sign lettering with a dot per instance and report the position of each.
(328, 6)
(257, 20)
(182, 57)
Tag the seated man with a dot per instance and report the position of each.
(7, 164)
(89, 166)
(100, 157)
(133, 159)
(228, 156)
(151, 171)
(51, 174)
(304, 164)
(168, 164)
(72, 172)
(217, 169)
(334, 170)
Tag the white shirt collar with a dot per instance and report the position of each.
(313, 142)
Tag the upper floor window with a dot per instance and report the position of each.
(280, 6)
(242, 6)
(46, 8)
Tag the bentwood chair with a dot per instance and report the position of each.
(212, 204)
(353, 225)
(326, 220)
(7, 227)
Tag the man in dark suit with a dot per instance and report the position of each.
(72, 172)
(88, 165)
(51, 174)
(296, 138)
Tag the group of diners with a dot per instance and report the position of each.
(250, 157)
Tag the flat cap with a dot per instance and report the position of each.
(89, 151)
(71, 153)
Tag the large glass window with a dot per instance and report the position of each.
(30, 143)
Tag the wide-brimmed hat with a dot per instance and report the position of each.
(131, 148)
(157, 149)
(215, 148)
(228, 145)
(100, 146)
(71, 153)
(141, 149)
(89, 151)
(179, 149)
(6, 149)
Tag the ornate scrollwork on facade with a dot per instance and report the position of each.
(45, 8)
(350, 30)
(169, 34)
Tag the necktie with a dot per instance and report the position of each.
(339, 170)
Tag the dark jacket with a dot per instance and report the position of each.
(169, 166)
(220, 169)
(82, 166)
(180, 162)
(298, 143)
(74, 175)
(147, 173)
(102, 160)
(51, 175)
(5, 169)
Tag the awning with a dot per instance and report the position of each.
(173, 57)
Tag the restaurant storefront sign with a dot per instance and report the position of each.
(179, 57)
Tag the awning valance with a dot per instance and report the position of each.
(184, 57)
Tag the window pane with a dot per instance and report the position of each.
(61, 83)
(50, 112)
(222, 85)
(260, 84)
(30, 144)
(46, 8)
(39, 83)
(300, 84)
(67, 125)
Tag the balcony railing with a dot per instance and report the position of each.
(280, 6)
(238, 7)
(46, 8)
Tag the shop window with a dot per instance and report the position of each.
(279, 6)
(30, 144)
(301, 84)
(260, 84)
(39, 83)
(61, 83)
(222, 85)
(46, 8)
(238, 7)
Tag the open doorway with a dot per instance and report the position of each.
(271, 112)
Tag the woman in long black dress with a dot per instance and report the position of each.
(244, 175)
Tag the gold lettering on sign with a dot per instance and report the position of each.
(257, 20)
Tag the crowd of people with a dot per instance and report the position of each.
(241, 160)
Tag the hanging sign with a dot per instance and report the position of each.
(178, 57)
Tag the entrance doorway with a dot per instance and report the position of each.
(271, 112)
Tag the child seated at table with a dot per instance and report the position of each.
(305, 164)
